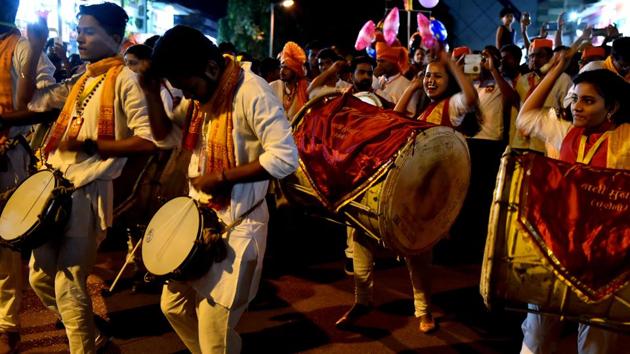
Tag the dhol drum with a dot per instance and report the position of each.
(180, 240)
(413, 205)
(515, 271)
(37, 209)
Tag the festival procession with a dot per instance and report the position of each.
(264, 176)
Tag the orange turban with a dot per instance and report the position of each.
(397, 55)
(590, 52)
(459, 51)
(293, 57)
(541, 43)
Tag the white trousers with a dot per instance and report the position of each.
(418, 267)
(204, 326)
(11, 279)
(59, 271)
(541, 334)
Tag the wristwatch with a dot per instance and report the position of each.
(89, 146)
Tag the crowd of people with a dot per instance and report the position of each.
(234, 113)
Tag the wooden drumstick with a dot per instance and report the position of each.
(127, 261)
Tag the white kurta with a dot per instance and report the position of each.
(18, 156)
(491, 107)
(261, 132)
(131, 119)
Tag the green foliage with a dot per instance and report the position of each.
(246, 25)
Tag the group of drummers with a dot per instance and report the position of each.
(237, 128)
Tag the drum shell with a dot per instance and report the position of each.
(514, 270)
(398, 208)
(51, 222)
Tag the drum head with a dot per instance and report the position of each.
(171, 235)
(26, 204)
(424, 193)
(369, 98)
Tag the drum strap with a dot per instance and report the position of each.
(242, 217)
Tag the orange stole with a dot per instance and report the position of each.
(219, 145)
(7, 47)
(111, 67)
(437, 113)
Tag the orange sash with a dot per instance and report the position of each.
(7, 47)
(218, 148)
(437, 113)
(111, 67)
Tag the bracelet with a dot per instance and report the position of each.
(89, 146)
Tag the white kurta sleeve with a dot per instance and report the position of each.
(134, 104)
(457, 109)
(53, 96)
(45, 71)
(545, 125)
(268, 121)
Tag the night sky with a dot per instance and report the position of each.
(335, 22)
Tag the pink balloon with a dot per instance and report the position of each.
(391, 25)
(423, 22)
(428, 41)
(366, 36)
(429, 4)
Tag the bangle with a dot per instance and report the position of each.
(90, 147)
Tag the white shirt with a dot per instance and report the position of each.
(392, 87)
(261, 132)
(491, 107)
(554, 100)
(131, 119)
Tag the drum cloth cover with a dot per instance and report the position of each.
(578, 217)
(345, 145)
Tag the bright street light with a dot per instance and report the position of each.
(272, 6)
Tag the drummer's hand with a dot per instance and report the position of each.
(73, 145)
(209, 183)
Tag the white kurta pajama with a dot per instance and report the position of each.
(204, 312)
(60, 268)
(18, 159)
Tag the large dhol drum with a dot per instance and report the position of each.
(176, 243)
(413, 204)
(516, 272)
(37, 210)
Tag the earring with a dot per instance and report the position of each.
(609, 115)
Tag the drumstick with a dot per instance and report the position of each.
(127, 261)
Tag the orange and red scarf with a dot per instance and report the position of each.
(219, 144)
(7, 47)
(111, 67)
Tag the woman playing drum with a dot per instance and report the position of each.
(599, 136)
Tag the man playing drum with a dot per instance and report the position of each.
(240, 137)
(23, 67)
(104, 118)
